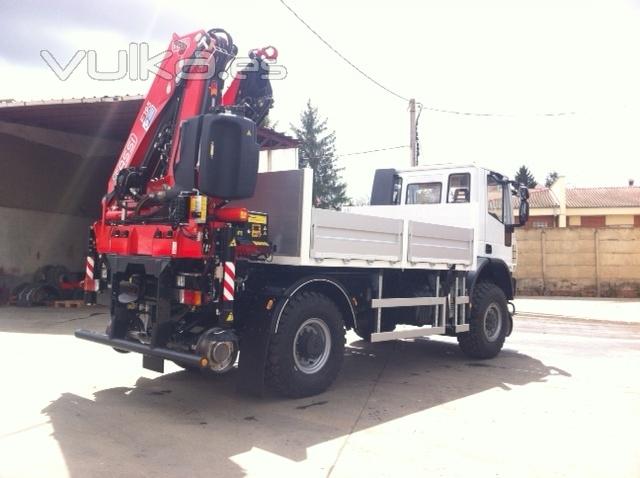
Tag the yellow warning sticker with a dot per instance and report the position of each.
(257, 218)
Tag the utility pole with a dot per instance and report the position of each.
(412, 132)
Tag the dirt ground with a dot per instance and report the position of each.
(562, 399)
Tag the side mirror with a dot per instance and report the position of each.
(524, 193)
(523, 212)
(228, 156)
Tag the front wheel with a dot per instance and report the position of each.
(488, 324)
(306, 353)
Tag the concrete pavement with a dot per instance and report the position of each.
(562, 399)
(609, 310)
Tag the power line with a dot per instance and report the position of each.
(399, 96)
(372, 151)
(345, 59)
(355, 153)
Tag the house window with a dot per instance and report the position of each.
(424, 193)
(459, 188)
(539, 224)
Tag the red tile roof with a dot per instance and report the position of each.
(628, 196)
(603, 197)
(541, 198)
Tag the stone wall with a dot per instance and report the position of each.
(578, 262)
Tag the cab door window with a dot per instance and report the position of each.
(495, 198)
(459, 188)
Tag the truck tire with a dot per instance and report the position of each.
(488, 324)
(306, 353)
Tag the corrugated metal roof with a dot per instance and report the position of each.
(11, 103)
(107, 117)
(603, 197)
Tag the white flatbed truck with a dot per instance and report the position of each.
(202, 259)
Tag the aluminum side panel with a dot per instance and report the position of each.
(341, 235)
(437, 243)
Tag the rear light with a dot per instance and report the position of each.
(189, 296)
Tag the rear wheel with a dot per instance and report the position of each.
(306, 353)
(488, 324)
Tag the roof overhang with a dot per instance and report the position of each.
(108, 118)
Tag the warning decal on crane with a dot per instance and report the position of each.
(147, 115)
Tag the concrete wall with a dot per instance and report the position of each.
(42, 178)
(579, 262)
(31, 239)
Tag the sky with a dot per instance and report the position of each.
(508, 63)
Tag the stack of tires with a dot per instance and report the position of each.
(45, 287)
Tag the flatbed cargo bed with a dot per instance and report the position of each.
(307, 236)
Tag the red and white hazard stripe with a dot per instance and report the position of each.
(90, 265)
(228, 281)
(89, 283)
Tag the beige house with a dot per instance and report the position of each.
(562, 206)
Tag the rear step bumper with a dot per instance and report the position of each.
(159, 352)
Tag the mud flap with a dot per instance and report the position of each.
(155, 364)
(254, 345)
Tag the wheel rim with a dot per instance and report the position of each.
(492, 322)
(312, 346)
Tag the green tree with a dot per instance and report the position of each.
(551, 178)
(524, 177)
(317, 151)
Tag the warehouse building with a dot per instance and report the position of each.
(56, 158)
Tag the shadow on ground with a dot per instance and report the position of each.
(187, 422)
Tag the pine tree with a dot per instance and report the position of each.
(551, 178)
(317, 151)
(524, 177)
